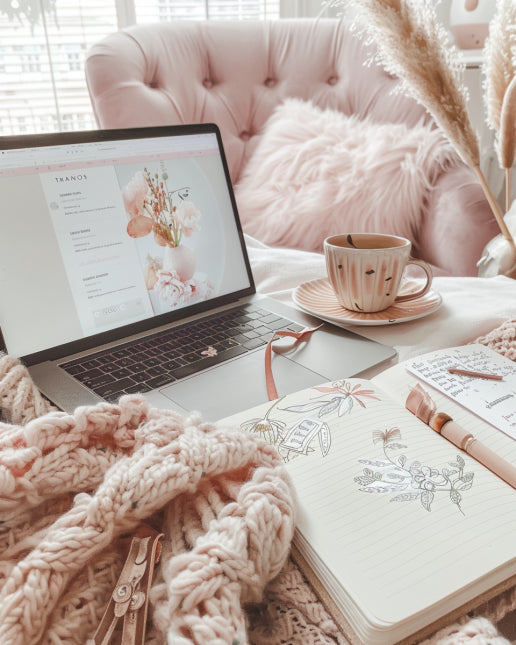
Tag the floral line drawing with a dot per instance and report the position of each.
(270, 430)
(412, 481)
(294, 441)
(346, 396)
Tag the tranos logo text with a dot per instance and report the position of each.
(61, 180)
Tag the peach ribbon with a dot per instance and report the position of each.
(302, 336)
(420, 403)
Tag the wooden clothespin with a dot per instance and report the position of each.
(130, 597)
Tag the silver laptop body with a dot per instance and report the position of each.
(123, 245)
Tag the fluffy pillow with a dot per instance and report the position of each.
(318, 172)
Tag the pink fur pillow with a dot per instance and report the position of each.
(318, 172)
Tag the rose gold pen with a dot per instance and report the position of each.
(422, 406)
(492, 377)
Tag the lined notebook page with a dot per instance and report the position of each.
(492, 400)
(399, 516)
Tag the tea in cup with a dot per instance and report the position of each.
(365, 270)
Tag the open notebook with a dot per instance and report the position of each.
(399, 530)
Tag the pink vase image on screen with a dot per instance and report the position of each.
(181, 260)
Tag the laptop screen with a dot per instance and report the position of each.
(106, 233)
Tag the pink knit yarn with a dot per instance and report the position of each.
(126, 464)
(502, 339)
(477, 631)
(71, 485)
(20, 399)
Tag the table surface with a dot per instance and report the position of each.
(471, 306)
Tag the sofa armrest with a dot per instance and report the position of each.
(457, 223)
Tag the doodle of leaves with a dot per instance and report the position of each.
(382, 488)
(465, 482)
(455, 496)
(449, 472)
(343, 404)
(402, 460)
(405, 497)
(309, 407)
(363, 481)
(395, 477)
(375, 462)
(427, 497)
(368, 476)
(430, 472)
(324, 439)
(419, 480)
(424, 483)
(346, 405)
(415, 467)
(395, 446)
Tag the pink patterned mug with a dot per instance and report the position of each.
(366, 270)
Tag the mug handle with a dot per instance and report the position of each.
(417, 294)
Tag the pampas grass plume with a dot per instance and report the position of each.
(414, 46)
(499, 86)
(499, 63)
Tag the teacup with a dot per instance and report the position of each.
(366, 270)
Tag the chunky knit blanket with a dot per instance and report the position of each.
(73, 485)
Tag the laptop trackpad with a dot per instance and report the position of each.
(239, 384)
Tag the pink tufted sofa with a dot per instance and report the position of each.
(236, 73)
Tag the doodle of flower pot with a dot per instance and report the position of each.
(180, 259)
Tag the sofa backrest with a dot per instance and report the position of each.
(235, 74)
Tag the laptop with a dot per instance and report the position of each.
(123, 269)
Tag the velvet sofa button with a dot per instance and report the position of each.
(245, 136)
(208, 84)
(270, 82)
(332, 80)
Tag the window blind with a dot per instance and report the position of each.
(206, 10)
(43, 44)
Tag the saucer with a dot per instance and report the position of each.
(318, 298)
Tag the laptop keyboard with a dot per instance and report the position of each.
(159, 359)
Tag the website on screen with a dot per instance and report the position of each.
(127, 230)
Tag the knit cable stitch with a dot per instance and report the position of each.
(72, 485)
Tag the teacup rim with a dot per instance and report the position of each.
(329, 241)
